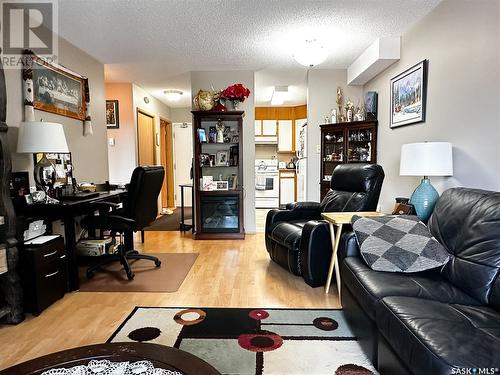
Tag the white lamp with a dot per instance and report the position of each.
(45, 137)
(426, 159)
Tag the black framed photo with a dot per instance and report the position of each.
(371, 101)
(205, 160)
(202, 135)
(112, 114)
(408, 96)
(222, 158)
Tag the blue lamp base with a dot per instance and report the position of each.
(424, 199)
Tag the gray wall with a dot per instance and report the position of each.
(220, 80)
(89, 154)
(321, 98)
(181, 115)
(461, 40)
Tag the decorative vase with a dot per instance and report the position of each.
(424, 199)
(232, 104)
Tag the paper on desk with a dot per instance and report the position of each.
(40, 240)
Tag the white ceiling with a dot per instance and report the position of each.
(157, 43)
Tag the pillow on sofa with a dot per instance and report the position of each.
(398, 243)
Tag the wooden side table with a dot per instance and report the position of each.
(338, 219)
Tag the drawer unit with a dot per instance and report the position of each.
(44, 274)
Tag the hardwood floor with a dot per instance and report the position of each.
(226, 274)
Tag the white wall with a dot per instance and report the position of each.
(89, 154)
(461, 40)
(205, 80)
(321, 98)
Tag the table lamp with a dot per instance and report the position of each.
(426, 159)
(42, 137)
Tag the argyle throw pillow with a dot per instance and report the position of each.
(398, 243)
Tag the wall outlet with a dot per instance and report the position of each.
(318, 149)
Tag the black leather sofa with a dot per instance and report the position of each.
(299, 241)
(441, 321)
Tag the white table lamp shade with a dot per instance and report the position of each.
(426, 159)
(39, 136)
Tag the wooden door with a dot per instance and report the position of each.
(146, 139)
(167, 161)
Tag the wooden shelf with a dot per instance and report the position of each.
(204, 201)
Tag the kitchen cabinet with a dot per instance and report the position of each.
(287, 187)
(285, 136)
(258, 127)
(269, 127)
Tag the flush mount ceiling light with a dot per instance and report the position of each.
(280, 94)
(173, 95)
(310, 53)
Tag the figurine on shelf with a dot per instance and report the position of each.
(220, 131)
(340, 100)
(349, 110)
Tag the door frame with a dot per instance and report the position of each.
(153, 117)
(167, 161)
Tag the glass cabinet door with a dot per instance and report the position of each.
(334, 153)
(360, 145)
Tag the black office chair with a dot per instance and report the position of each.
(139, 211)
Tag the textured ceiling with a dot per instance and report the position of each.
(155, 43)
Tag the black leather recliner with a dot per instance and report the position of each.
(442, 321)
(299, 241)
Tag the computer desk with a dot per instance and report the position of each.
(67, 211)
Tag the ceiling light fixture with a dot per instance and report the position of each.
(173, 95)
(310, 53)
(280, 94)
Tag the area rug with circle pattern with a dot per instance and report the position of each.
(253, 341)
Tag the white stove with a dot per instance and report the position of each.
(266, 183)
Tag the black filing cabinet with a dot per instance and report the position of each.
(44, 274)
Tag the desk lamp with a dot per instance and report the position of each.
(426, 159)
(42, 137)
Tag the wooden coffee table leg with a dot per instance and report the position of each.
(335, 258)
(332, 261)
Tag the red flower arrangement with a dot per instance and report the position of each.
(235, 92)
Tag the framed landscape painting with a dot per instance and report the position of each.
(112, 114)
(408, 96)
(57, 90)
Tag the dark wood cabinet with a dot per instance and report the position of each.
(44, 274)
(218, 207)
(347, 142)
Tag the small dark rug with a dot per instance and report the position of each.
(170, 222)
(148, 278)
(253, 341)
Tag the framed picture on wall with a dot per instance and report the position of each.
(55, 88)
(408, 96)
(112, 114)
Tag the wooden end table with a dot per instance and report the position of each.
(338, 219)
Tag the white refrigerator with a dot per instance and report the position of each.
(301, 154)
